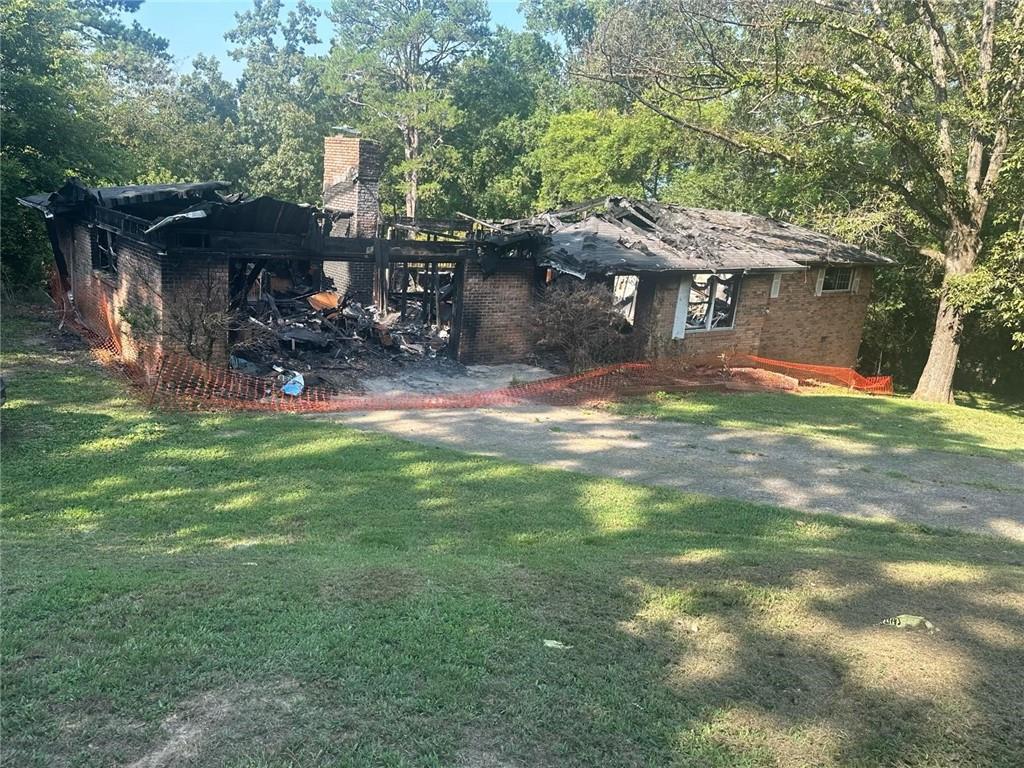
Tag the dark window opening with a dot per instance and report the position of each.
(104, 255)
(837, 279)
(711, 302)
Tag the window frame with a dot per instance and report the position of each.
(849, 270)
(104, 256)
(625, 290)
(682, 310)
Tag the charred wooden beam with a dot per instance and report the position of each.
(238, 299)
(382, 259)
(58, 254)
(455, 329)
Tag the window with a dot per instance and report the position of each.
(706, 302)
(837, 280)
(624, 289)
(104, 256)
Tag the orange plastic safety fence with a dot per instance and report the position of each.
(180, 381)
(846, 377)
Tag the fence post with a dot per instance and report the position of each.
(159, 376)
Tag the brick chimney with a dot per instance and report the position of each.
(352, 184)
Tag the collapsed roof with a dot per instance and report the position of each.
(75, 194)
(168, 206)
(266, 215)
(622, 236)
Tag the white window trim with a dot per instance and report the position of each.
(682, 308)
(776, 286)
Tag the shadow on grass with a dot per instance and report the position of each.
(297, 593)
(886, 422)
(920, 487)
(1014, 406)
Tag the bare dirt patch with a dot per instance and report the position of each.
(213, 727)
(379, 584)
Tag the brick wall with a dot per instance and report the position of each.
(496, 313)
(796, 326)
(825, 330)
(353, 278)
(352, 169)
(191, 284)
(101, 296)
(743, 338)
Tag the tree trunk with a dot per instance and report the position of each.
(412, 176)
(936, 383)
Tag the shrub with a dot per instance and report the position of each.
(579, 321)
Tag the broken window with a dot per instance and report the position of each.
(706, 302)
(837, 280)
(624, 291)
(104, 256)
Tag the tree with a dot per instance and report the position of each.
(504, 93)
(919, 100)
(187, 131)
(394, 60)
(573, 20)
(283, 111)
(593, 153)
(64, 64)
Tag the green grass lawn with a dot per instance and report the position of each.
(980, 426)
(246, 590)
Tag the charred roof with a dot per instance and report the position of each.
(75, 194)
(200, 205)
(619, 235)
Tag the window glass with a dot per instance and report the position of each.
(837, 279)
(712, 301)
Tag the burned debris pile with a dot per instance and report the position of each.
(321, 338)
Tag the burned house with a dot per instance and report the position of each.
(702, 283)
(172, 267)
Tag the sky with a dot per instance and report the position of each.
(198, 26)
